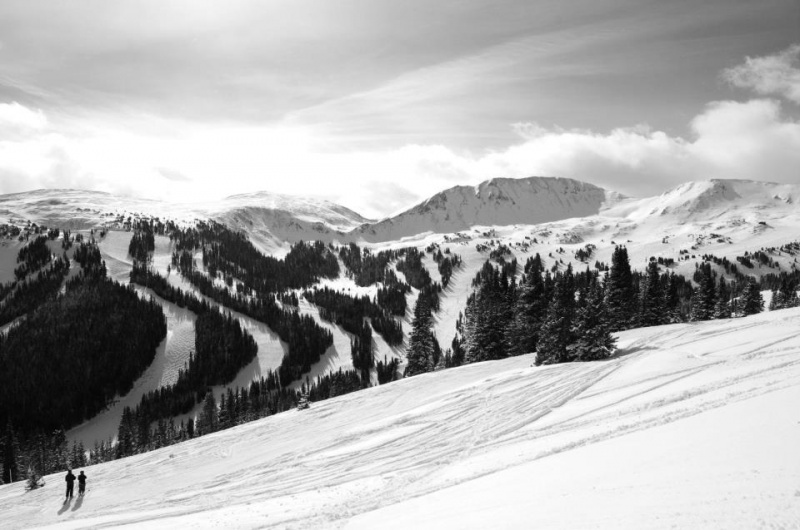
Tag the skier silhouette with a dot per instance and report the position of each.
(81, 484)
(70, 480)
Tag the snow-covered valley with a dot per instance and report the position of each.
(689, 426)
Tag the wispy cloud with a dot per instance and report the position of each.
(777, 74)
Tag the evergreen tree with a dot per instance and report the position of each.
(528, 313)
(420, 353)
(651, 301)
(672, 299)
(489, 311)
(722, 308)
(753, 301)
(208, 421)
(704, 295)
(556, 332)
(620, 301)
(593, 339)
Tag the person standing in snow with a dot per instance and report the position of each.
(81, 484)
(70, 480)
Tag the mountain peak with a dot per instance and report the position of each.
(499, 201)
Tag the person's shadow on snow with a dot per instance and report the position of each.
(78, 503)
(65, 507)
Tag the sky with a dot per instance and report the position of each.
(377, 105)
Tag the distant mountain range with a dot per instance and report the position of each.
(272, 220)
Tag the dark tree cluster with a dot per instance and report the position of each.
(222, 348)
(489, 310)
(716, 298)
(142, 244)
(233, 255)
(31, 293)
(30, 456)
(350, 312)
(784, 296)
(32, 257)
(365, 267)
(584, 254)
(388, 371)
(70, 356)
(392, 296)
(87, 255)
(447, 264)
(362, 351)
(563, 316)
(418, 277)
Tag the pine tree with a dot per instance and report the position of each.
(420, 353)
(556, 332)
(753, 301)
(723, 308)
(704, 296)
(620, 301)
(208, 421)
(593, 339)
(126, 442)
(672, 299)
(651, 301)
(529, 313)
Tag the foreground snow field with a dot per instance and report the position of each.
(690, 426)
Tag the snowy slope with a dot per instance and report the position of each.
(690, 426)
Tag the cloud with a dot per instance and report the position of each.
(16, 119)
(746, 140)
(157, 157)
(777, 74)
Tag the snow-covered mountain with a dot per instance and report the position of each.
(716, 199)
(500, 201)
(270, 219)
(688, 426)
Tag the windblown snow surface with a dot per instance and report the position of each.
(688, 426)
